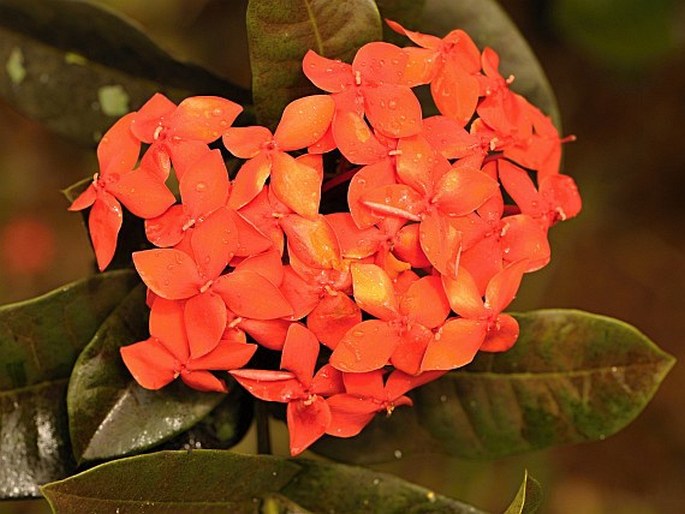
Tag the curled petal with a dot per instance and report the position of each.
(455, 345)
(250, 295)
(205, 319)
(204, 186)
(203, 118)
(151, 365)
(501, 335)
(271, 386)
(249, 181)
(246, 142)
(332, 318)
(104, 222)
(170, 273)
(373, 291)
(168, 327)
(327, 74)
(307, 422)
(393, 110)
(203, 381)
(407, 246)
(85, 199)
(296, 184)
(425, 302)
(423, 40)
(143, 193)
(304, 121)
(365, 347)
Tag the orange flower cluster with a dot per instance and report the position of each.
(445, 216)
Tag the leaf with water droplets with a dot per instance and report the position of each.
(77, 66)
(209, 482)
(280, 33)
(40, 340)
(109, 413)
(571, 377)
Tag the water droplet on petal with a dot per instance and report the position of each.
(200, 187)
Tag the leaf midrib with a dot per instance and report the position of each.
(315, 27)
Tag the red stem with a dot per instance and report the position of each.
(338, 179)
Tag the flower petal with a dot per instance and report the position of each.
(205, 319)
(170, 273)
(249, 181)
(267, 264)
(246, 142)
(373, 291)
(395, 200)
(350, 414)
(296, 184)
(441, 242)
(380, 62)
(307, 422)
(332, 318)
(365, 180)
(425, 302)
(464, 296)
(203, 381)
(167, 230)
(250, 295)
(503, 287)
(227, 355)
(327, 74)
(104, 222)
(271, 386)
(251, 240)
(365, 347)
(143, 193)
(151, 116)
(268, 333)
(214, 242)
(462, 191)
(168, 326)
(151, 365)
(118, 149)
(455, 92)
(204, 186)
(300, 351)
(502, 336)
(304, 121)
(203, 118)
(408, 355)
(455, 345)
(393, 110)
(524, 238)
(85, 199)
(355, 139)
(407, 246)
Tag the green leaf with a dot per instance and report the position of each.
(77, 67)
(488, 24)
(280, 33)
(207, 482)
(40, 340)
(528, 498)
(571, 377)
(109, 413)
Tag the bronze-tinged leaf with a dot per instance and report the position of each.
(211, 481)
(572, 377)
(77, 67)
(109, 413)
(40, 340)
(280, 33)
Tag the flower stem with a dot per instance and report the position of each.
(263, 434)
(338, 179)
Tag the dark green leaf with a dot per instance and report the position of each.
(488, 24)
(77, 67)
(206, 482)
(39, 341)
(572, 377)
(109, 413)
(280, 33)
(528, 498)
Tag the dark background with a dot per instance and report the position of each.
(617, 69)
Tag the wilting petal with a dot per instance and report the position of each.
(205, 319)
(408, 355)
(203, 118)
(327, 74)
(268, 333)
(441, 241)
(104, 222)
(168, 326)
(455, 345)
(204, 186)
(85, 199)
(250, 295)
(350, 414)
(304, 121)
(463, 295)
(227, 355)
(503, 287)
(214, 241)
(355, 139)
(249, 181)
(365, 180)
(143, 193)
(296, 185)
(502, 335)
(312, 241)
(307, 422)
(393, 110)
(167, 230)
(332, 318)
(373, 291)
(455, 92)
(203, 381)
(151, 116)
(271, 386)
(170, 273)
(460, 192)
(365, 347)
(118, 149)
(300, 351)
(151, 365)
(246, 142)
(425, 302)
